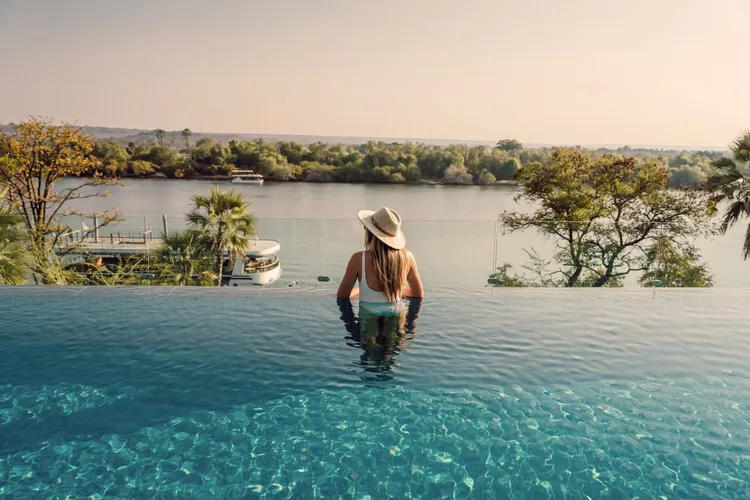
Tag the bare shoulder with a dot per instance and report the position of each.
(410, 256)
(356, 258)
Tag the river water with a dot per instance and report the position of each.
(450, 229)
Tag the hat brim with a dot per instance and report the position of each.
(397, 242)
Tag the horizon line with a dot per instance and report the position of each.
(425, 140)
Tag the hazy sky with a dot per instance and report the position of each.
(660, 72)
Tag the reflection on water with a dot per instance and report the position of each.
(381, 337)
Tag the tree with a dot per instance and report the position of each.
(605, 214)
(186, 133)
(32, 160)
(315, 172)
(293, 151)
(731, 184)
(209, 153)
(486, 178)
(457, 175)
(673, 266)
(225, 225)
(12, 245)
(510, 145)
(433, 161)
(506, 169)
(142, 168)
(686, 176)
(160, 135)
(113, 157)
(162, 156)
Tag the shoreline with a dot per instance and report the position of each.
(227, 178)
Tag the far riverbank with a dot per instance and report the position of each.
(228, 178)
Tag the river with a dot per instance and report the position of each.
(450, 229)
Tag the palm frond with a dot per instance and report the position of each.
(13, 254)
(741, 148)
(198, 218)
(726, 169)
(733, 214)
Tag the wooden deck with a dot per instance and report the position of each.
(144, 244)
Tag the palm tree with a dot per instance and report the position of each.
(182, 258)
(12, 246)
(160, 135)
(225, 225)
(186, 133)
(732, 184)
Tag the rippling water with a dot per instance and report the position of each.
(534, 394)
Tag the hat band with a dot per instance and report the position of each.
(377, 226)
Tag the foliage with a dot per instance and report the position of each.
(186, 263)
(686, 176)
(113, 158)
(538, 267)
(32, 160)
(374, 161)
(135, 270)
(541, 276)
(13, 256)
(456, 174)
(224, 225)
(510, 145)
(158, 155)
(485, 178)
(675, 267)
(160, 134)
(186, 133)
(605, 213)
(505, 169)
(142, 168)
(730, 183)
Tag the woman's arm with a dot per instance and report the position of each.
(346, 288)
(415, 290)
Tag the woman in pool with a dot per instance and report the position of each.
(381, 338)
(386, 271)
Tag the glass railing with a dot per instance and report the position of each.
(469, 253)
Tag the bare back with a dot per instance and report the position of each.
(354, 271)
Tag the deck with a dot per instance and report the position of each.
(140, 245)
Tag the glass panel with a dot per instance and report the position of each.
(451, 253)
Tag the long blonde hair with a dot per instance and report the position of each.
(391, 267)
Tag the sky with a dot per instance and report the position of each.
(590, 72)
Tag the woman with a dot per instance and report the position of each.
(386, 270)
(381, 338)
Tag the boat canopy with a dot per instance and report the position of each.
(262, 248)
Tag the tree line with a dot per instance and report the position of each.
(372, 162)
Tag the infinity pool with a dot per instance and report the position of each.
(190, 393)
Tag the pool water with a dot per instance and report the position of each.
(508, 394)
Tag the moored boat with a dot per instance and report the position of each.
(246, 177)
(87, 253)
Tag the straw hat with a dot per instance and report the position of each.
(385, 224)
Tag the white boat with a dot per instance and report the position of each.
(246, 177)
(260, 266)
